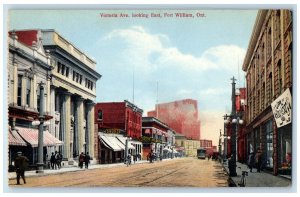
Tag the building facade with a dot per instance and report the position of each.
(29, 70)
(118, 124)
(181, 116)
(190, 147)
(268, 67)
(70, 94)
(157, 138)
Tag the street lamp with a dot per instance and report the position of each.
(234, 119)
(41, 123)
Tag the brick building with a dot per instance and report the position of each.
(118, 122)
(157, 137)
(268, 67)
(181, 116)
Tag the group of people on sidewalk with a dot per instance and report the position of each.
(55, 160)
(255, 160)
(84, 158)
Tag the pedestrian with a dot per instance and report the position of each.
(128, 159)
(21, 163)
(251, 161)
(258, 160)
(58, 160)
(134, 158)
(81, 160)
(87, 159)
(52, 160)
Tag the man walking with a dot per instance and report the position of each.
(21, 163)
(87, 159)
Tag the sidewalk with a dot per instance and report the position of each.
(258, 179)
(32, 173)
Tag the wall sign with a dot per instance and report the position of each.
(282, 109)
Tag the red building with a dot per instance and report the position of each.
(118, 122)
(120, 115)
(207, 144)
(181, 116)
(157, 137)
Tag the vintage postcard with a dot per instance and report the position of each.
(149, 97)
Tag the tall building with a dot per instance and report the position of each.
(268, 67)
(181, 116)
(69, 94)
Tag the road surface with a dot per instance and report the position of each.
(183, 172)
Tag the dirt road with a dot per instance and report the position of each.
(184, 172)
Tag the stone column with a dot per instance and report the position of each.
(64, 134)
(33, 102)
(81, 131)
(90, 129)
(23, 94)
(48, 98)
(52, 110)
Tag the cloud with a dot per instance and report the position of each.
(147, 52)
(212, 92)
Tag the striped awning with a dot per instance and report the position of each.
(14, 139)
(111, 143)
(31, 136)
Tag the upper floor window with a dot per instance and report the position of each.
(62, 69)
(19, 95)
(77, 77)
(28, 91)
(100, 115)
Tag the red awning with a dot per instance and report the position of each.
(14, 139)
(31, 136)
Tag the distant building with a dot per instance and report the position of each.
(118, 122)
(191, 147)
(157, 138)
(181, 116)
(207, 144)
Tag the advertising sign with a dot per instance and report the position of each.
(282, 109)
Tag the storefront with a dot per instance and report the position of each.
(112, 148)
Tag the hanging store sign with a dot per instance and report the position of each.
(282, 109)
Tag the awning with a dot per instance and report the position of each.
(123, 140)
(14, 139)
(31, 136)
(111, 143)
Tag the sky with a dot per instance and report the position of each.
(158, 58)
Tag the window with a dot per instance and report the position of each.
(28, 90)
(279, 76)
(19, 96)
(58, 67)
(38, 103)
(100, 115)
(67, 71)
(270, 88)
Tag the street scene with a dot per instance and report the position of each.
(149, 98)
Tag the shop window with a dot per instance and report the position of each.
(285, 150)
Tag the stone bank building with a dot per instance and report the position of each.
(70, 91)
